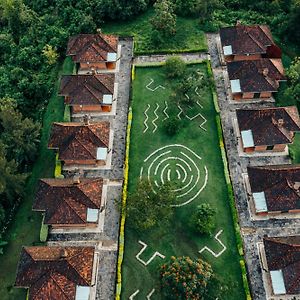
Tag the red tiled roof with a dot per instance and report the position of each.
(270, 126)
(91, 47)
(66, 201)
(283, 253)
(257, 76)
(76, 141)
(52, 273)
(86, 89)
(281, 185)
(247, 39)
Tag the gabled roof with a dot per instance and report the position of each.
(280, 184)
(53, 273)
(76, 141)
(256, 76)
(270, 126)
(283, 253)
(86, 89)
(92, 47)
(66, 201)
(247, 39)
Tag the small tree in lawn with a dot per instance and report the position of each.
(145, 209)
(184, 278)
(164, 20)
(172, 125)
(203, 220)
(175, 67)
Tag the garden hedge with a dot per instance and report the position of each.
(44, 231)
(67, 113)
(123, 215)
(58, 168)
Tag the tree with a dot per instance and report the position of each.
(175, 67)
(203, 219)
(292, 27)
(172, 125)
(164, 20)
(20, 136)
(184, 278)
(293, 73)
(145, 209)
(50, 53)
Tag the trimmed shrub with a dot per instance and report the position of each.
(44, 232)
(245, 280)
(67, 113)
(203, 219)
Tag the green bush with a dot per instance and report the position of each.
(175, 67)
(245, 280)
(203, 219)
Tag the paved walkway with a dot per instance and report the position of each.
(159, 58)
(252, 230)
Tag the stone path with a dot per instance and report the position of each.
(252, 230)
(159, 58)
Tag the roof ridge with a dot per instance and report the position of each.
(85, 195)
(82, 144)
(96, 135)
(59, 285)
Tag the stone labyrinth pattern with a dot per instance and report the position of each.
(179, 164)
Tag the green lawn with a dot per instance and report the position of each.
(25, 228)
(188, 37)
(179, 239)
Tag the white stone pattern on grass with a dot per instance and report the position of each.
(180, 163)
(156, 118)
(180, 112)
(165, 111)
(220, 242)
(137, 291)
(145, 263)
(153, 89)
(146, 119)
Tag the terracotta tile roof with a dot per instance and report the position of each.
(283, 253)
(247, 39)
(91, 47)
(281, 185)
(65, 201)
(270, 126)
(77, 141)
(52, 273)
(256, 76)
(86, 89)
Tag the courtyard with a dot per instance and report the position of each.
(193, 158)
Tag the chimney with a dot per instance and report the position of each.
(76, 179)
(93, 71)
(99, 30)
(280, 122)
(86, 119)
(63, 253)
(265, 72)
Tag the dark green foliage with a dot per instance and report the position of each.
(203, 219)
(145, 209)
(172, 125)
(184, 278)
(175, 67)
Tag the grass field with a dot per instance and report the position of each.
(188, 37)
(179, 239)
(25, 228)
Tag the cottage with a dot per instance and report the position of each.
(242, 42)
(93, 52)
(268, 129)
(52, 273)
(70, 203)
(280, 259)
(88, 93)
(81, 144)
(275, 189)
(255, 78)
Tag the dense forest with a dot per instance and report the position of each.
(33, 39)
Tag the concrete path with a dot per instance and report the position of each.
(252, 230)
(159, 58)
